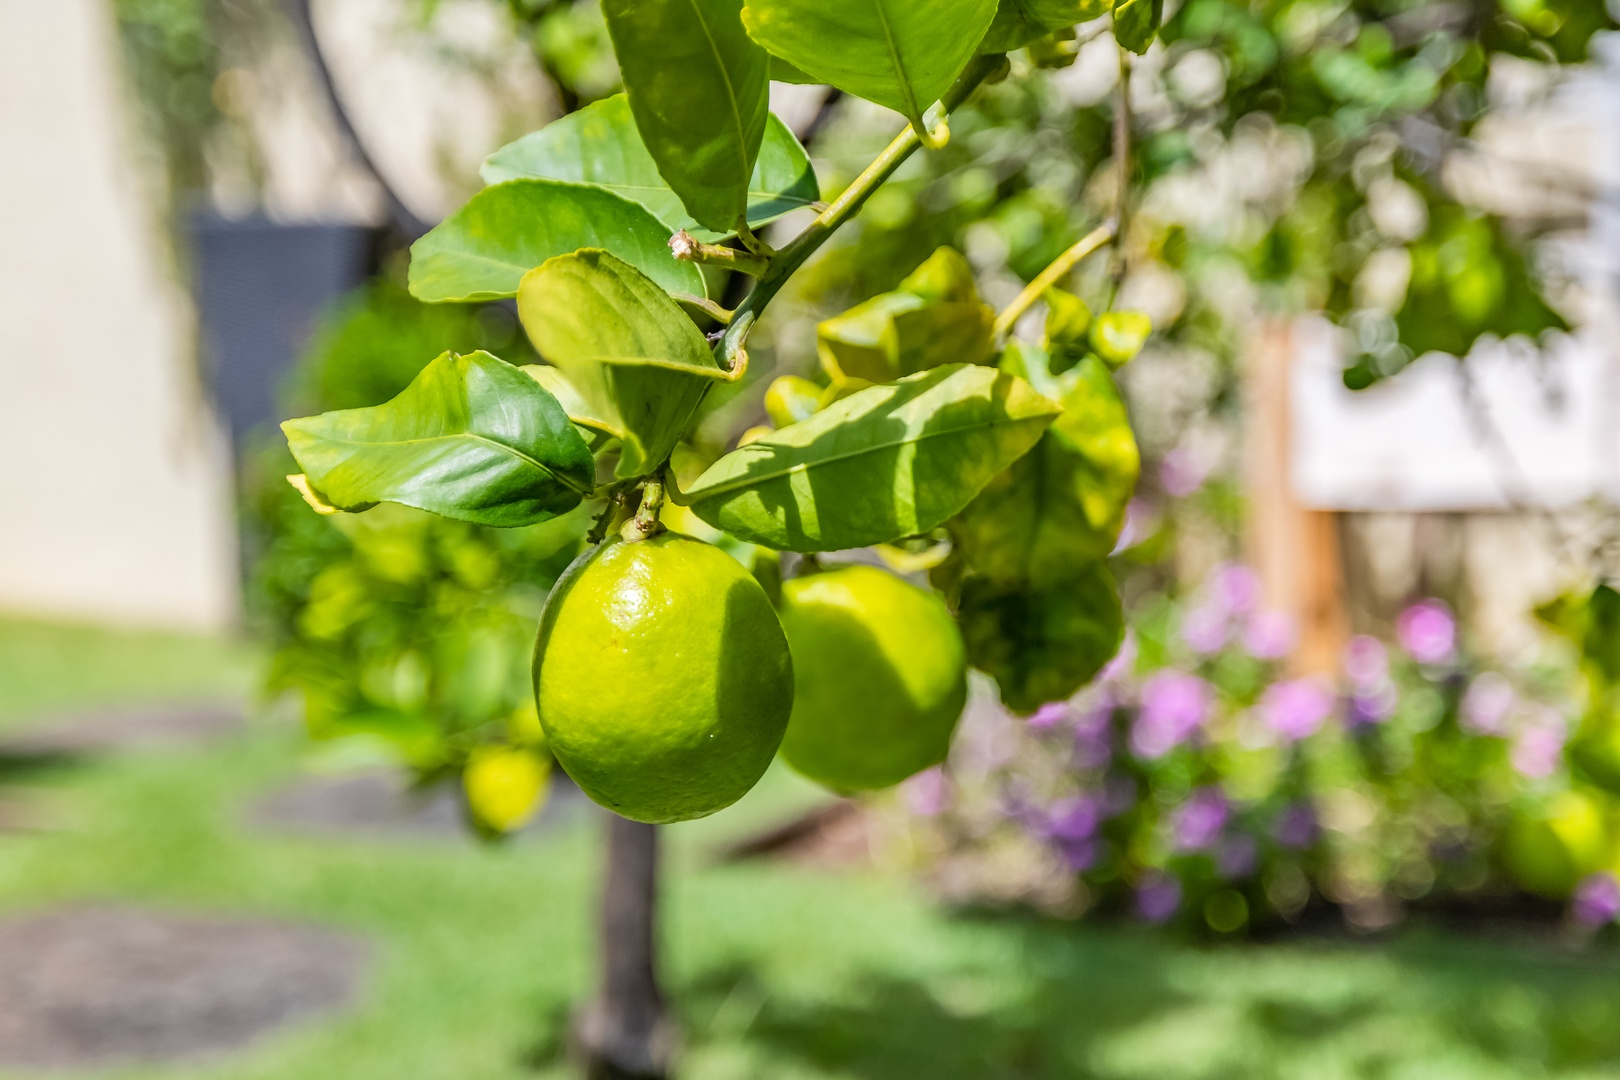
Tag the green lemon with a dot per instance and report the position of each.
(662, 677)
(505, 785)
(880, 678)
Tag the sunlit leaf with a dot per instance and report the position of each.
(482, 251)
(472, 438)
(639, 364)
(600, 145)
(1136, 23)
(698, 87)
(886, 462)
(898, 53)
(1061, 506)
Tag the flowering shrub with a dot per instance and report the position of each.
(1197, 781)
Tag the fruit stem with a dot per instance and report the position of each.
(645, 523)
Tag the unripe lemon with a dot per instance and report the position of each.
(662, 677)
(505, 786)
(880, 678)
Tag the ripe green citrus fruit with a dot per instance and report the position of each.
(505, 785)
(662, 677)
(880, 678)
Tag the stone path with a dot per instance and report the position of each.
(96, 986)
(382, 804)
(108, 731)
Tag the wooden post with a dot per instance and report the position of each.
(1295, 550)
(626, 1034)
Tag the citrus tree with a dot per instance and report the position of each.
(668, 672)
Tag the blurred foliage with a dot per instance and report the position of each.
(406, 636)
(171, 54)
(1198, 782)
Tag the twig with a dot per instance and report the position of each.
(1049, 277)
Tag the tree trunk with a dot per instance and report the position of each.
(625, 1033)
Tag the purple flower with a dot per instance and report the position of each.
(1366, 662)
(928, 794)
(1075, 818)
(1049, 715)
(1269, 635)
(1487, 703)
(1181, 473)
(1157, 898)
(1238, 856)
(1205, 630)
(1234, 588)
(1296, 827)
(1198, 822)
(1091, 730)
(1071, 827)
(1596, 900)
(1174, 705)
(1428, 631)
(1296, 708)
(1537, 751)
(1374, 707)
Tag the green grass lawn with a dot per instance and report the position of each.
(776, 972)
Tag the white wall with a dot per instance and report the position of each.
(115, 502)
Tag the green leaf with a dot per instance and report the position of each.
(1061, 506)
(581, 411)
(483, 250)
(1136, 23)
(1068, 318)
(886, 462)
(934, 318)
(1019, 22)
(1042, 645)
(898, 53)
(472, 438)
(600, 145)
(638, 363)
(699, 89)
(1117, 336)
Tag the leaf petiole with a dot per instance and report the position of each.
(688, 248)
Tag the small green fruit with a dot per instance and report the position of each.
(662, 677)
(880, 675)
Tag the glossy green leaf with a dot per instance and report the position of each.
(639, 364)
(1117, 336)
(699, 88)
(898, 53)
(886, 462)
(482, 251)
(1136, 23)
(1061, 506)
(600, 145)
(472, 437)
(1042, 645)
(935, 317)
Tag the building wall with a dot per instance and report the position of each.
(115, 501)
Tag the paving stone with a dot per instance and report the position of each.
(383, 804)
(96, 986)
(111, 731)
